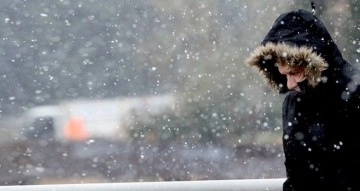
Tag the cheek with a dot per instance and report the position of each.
(299, 78)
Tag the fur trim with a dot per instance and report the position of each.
(265, 58)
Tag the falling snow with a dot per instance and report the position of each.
(116, 91)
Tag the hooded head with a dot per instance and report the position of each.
(300, 39)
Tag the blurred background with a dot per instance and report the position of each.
(144, 90)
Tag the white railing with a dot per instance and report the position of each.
(203, 185)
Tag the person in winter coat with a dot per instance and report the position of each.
(321, 110)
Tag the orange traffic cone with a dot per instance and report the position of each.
(75, 130)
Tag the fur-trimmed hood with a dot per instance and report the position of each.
(301, 39)
(267, 56)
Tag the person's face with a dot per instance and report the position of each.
(292, 77)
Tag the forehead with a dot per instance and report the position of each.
(284, 69)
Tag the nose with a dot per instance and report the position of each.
(291, 82)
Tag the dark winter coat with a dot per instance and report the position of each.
(320, 123)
